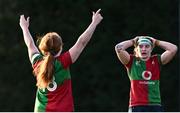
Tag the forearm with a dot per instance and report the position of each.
(166, 46)
(24, 24)
(124, 45)
(29, 43)
(121, 52)
(82, 41)
(87, 34)
(170, 51)
(28, 38)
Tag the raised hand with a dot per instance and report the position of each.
(96, 18)
(24, 23)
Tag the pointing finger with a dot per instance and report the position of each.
(28, 19)
(98, 11)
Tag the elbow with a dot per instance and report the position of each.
(119, 47)
(175, 48)
(116, 47)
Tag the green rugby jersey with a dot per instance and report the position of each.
(57, 97)
(144, 77)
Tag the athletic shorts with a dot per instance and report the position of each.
(146, 108)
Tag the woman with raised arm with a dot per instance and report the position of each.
(144, 71)
(51, 68)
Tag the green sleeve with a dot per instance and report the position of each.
(36, 57)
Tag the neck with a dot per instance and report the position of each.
(58, 53)
(145, 59)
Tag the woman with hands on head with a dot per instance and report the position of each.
(51, 67)
(144, 71)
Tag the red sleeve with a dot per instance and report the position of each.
(65, 59)
(128, 65)
(35, 64)
(36, 59)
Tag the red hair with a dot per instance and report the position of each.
(49, 45)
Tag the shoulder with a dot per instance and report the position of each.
(157, 57)
(36, 57)
(128, 65)
(65, 59)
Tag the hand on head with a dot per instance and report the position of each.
(153, 40)
(135, 40)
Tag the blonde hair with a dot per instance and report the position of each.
(50, 45)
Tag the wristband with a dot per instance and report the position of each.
(157, 42)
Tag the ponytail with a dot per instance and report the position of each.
(49, 45)
(45, 71)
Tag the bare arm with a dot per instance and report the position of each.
(121, 52)
(82, 41)
(170, 52)
(24, 24)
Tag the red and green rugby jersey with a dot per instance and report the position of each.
(144, 77)
(57, 97)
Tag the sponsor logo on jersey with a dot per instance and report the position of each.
(146, 75)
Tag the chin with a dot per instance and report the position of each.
(144, 57)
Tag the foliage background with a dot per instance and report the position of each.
(100, 82)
